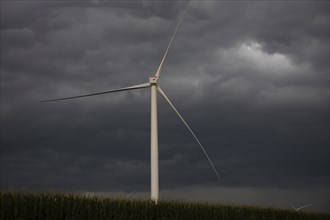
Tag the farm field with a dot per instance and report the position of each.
(61, 206)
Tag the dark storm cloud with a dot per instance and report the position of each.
(251, 78)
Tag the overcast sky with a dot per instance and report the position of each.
(251, 78)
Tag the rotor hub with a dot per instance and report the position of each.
(153, 80)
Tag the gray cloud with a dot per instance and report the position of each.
(251, 78)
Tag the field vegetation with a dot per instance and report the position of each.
(62, 206)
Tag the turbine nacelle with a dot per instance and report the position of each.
(153, 80)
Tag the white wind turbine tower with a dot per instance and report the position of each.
(153, 84)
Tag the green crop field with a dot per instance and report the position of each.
(61, 206)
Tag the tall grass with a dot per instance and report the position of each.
(61, 206)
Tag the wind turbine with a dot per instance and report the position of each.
(302, 207)
(153, 84)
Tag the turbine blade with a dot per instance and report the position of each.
(140, 86)
(304, 206)
(160, 68)
(193, 134)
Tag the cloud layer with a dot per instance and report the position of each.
(251, 79)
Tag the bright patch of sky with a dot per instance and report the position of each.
(250, 55)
